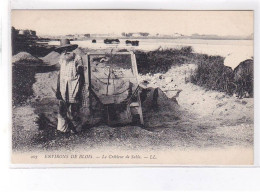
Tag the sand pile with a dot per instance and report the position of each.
(26, 59)
(52, 58)
(158, 109)
(170, 82)
(23, 76)
(198, 101)
(79, 51)
(44, 85)
(22, 81)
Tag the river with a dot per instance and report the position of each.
(211, 47)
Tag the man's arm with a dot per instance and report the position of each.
(80, 69)
(79, 61)
(80, 73)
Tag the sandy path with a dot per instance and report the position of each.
(213, 118)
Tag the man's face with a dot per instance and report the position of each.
(66, 52)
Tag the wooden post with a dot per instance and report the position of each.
(89, 88)
(134, 66)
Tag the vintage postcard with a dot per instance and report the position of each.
(132, 87)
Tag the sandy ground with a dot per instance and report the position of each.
(201, 120)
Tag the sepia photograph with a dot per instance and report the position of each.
(132, 87)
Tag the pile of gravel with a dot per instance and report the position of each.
(25, 59)
(52, 58)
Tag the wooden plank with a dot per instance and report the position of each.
(140, 110)
(134, 67)
(89, 88)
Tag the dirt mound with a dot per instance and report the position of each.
(79, 51)
(244, 78)
(25, 58)
(23, 79)
(202, 103)
(158, 109)
(157, 99)
(52, 58)
(23, 76)
(45, 84)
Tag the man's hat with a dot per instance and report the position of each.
(65, 44)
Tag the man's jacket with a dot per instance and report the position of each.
(70, 79)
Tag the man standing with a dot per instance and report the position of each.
(69, 87)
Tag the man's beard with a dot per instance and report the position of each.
(68, 57)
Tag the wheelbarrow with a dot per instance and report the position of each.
(113, 83)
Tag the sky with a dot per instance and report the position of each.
(63, 22)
